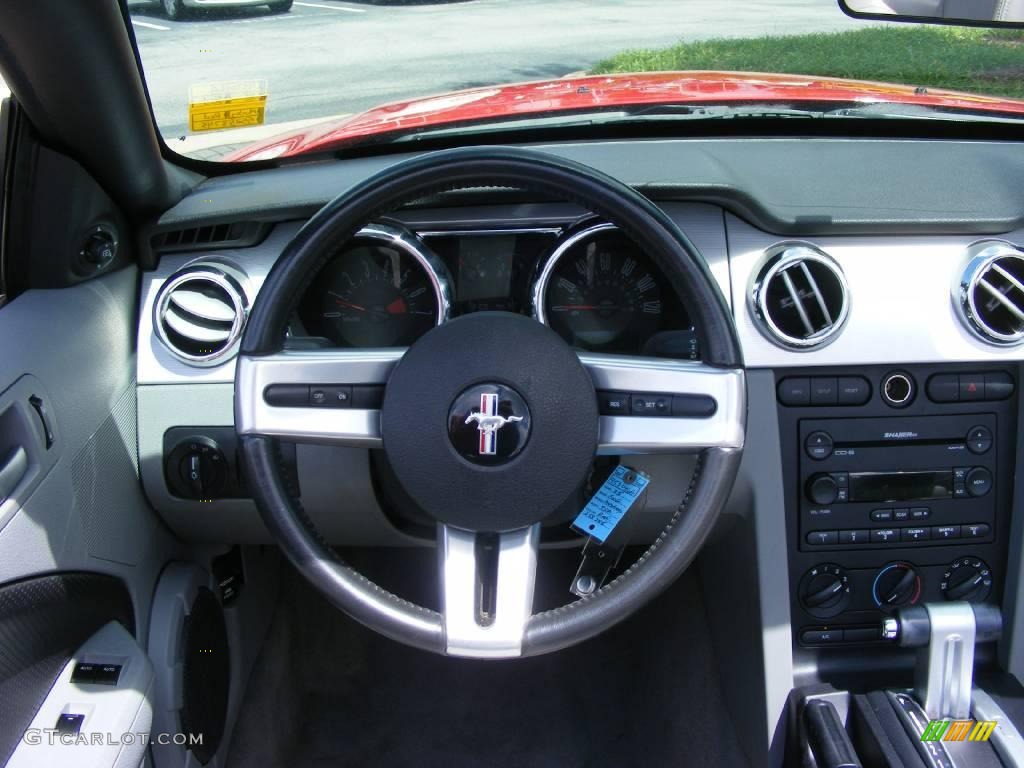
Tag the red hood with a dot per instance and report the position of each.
(603, 92)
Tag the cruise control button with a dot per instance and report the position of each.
(945, 531)
(979, 439)
(650, 405)
(331, 395)
(818, 445)
(853, 390)
(998, 386)
(613, 403)
(823, 391)
(881, 515)
(944, 388)
(287, 395)
(883, 535)
(974, 530)
(795, 390)
(853, 537)
(693, 406)
(821, 538)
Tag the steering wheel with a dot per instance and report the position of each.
(437, 389)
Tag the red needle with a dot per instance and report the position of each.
(350, 305)
(397, 307)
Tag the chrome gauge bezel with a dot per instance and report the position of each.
(539, 289)
(414, 246)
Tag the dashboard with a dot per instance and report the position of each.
(586, 280)
(883, 370)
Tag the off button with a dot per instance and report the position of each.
(818, 445)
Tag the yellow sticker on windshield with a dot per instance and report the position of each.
(234, 104)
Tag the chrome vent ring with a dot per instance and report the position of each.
(799, 298)
(990, 293)
(199, 315)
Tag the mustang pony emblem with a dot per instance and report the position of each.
(489, 421)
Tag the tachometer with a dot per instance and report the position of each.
(600, 292)
(384, 289)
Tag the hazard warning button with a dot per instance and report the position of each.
(972, 386)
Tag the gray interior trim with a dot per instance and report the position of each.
(787, 186)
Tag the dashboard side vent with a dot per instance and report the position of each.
(799, 297)
(199, 315)
(990, 293)
(239, 234)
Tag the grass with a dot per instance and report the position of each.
(958, 58)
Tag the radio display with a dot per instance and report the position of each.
(900, 486)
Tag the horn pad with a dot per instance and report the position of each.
(490, 422)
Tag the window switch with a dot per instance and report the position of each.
(107, 674)
(84, 673)
(69, 723)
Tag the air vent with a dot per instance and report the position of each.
(199, 315)
(800, 298)
(990, 293)
(239, 234)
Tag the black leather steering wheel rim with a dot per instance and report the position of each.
(542, 173)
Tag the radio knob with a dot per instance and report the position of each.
(978, 481)
(825, 590)
(896, 585)
(823, 489)
(967, 578)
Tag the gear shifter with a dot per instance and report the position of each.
(946, 634)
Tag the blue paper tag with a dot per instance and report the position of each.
(611, 503)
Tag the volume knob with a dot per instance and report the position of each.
(823, 489)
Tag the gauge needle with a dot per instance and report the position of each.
(572, 307)
(345, 302)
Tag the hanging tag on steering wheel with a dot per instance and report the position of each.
(610, 504)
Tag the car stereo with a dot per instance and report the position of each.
(910, 480)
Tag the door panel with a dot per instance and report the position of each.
(79, 544)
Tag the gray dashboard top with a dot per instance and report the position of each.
(788, 186)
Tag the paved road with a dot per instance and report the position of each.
(327, 57)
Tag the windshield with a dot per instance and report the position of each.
(236, 80)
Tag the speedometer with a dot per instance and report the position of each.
(599, 291)
(384, 289)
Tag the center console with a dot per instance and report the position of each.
(898, 487)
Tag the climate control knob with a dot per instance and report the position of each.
(825, 590)
(967, 578)
(896, 585)
(822, 489)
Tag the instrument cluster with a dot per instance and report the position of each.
(590, 283)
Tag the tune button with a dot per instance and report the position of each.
(979, 439)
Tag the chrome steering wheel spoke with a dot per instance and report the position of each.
(487, 583)
(686, 387)
(357, 427)
(619, 434)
